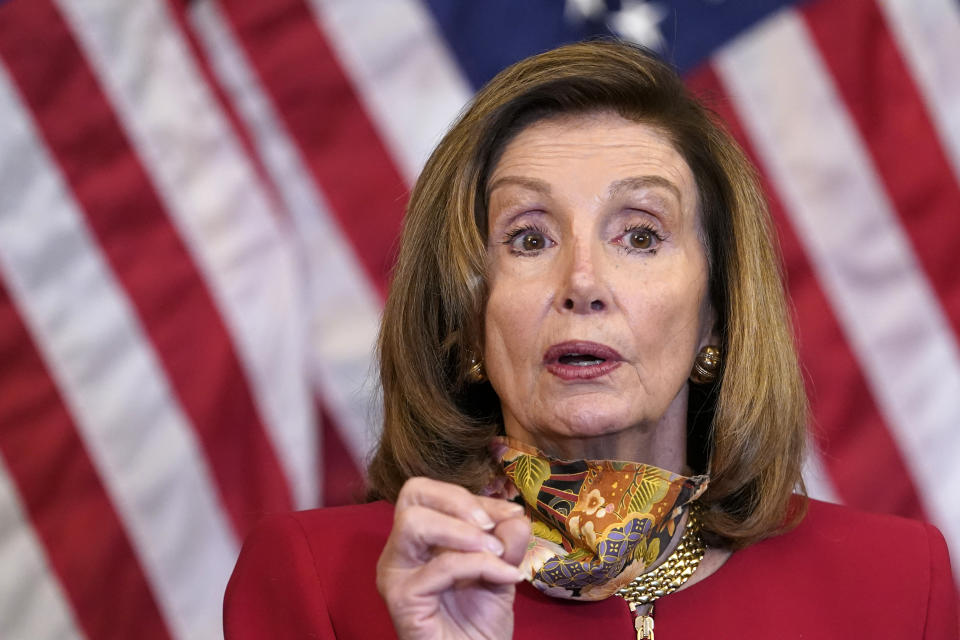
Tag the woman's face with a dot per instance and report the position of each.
(597, 289)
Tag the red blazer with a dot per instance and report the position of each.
(840, 574)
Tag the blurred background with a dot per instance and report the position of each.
(200, 201)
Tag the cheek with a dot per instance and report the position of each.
(502, 321)
(512, 324)
(668, 322)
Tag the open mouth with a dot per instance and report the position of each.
(581, 353)
(581, 360)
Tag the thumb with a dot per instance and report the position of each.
(514, 533)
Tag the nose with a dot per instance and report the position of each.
(583, 289)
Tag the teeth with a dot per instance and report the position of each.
(580, 359)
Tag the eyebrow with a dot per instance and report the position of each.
(631, 183)
(643, 182)
(533, 184)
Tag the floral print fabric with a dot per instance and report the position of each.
(597, 524)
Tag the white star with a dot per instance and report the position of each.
(580, 10)
(639, 21)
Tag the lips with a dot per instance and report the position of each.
(581, 360)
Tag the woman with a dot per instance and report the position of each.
(586, 340)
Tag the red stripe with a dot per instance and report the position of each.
(560, 493)
(71, 513)
(341, 479)
(892, 119)
(147, 256)
(858, 452)
(326, 119)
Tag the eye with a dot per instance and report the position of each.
(528, 240)
(533, 241)
(640, 239)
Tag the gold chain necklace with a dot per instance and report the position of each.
(669, 576)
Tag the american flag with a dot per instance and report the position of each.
(200, 200)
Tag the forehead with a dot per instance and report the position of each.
(597, 148)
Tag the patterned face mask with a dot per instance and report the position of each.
(597, 524)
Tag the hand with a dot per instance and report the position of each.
(449, 567)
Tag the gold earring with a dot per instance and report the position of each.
(475, 373)
(706, 367)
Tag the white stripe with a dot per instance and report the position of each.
(890, 315)
(403, 71)
(815, 477)
(215, 201)
(32, 604)
(928, 34)
(111, 381)
(344, 309)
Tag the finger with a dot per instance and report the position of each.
(499, 509)
(451, 568)
(419, 530)
(455, 501)
(514, 533)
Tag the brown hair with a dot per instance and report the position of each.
(748, 427)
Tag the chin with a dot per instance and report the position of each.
(587, 419)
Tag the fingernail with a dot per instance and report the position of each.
(516, 508)
(493, 545)
(521, 575)
(482, 519)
